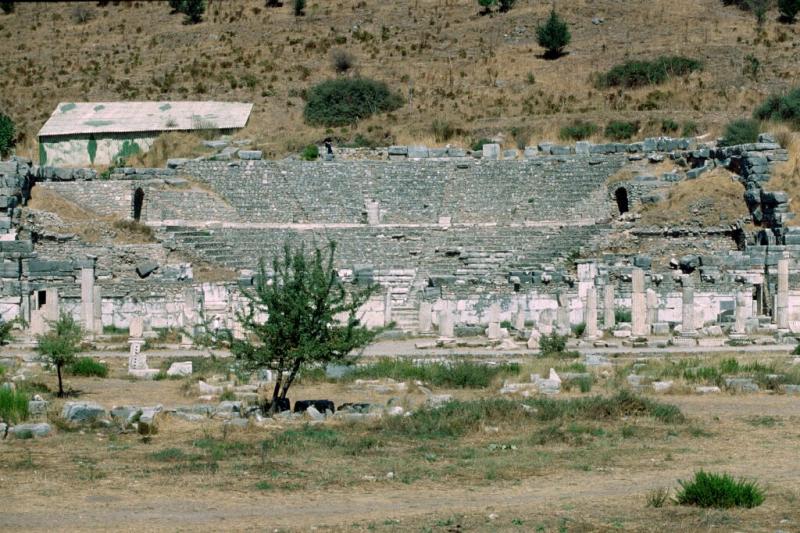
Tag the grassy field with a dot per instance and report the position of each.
(480, 76)
(484, 462)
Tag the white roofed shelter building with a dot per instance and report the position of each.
(105, 133)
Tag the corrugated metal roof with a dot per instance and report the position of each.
(123, 117)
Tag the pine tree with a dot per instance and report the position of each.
(194, 10)
(553, 36)
(789, 9)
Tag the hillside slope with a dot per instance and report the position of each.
(483, 75)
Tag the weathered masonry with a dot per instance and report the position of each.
(101, 133)
(458, 242)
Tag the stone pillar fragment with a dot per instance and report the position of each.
(493, 331)
(387, 307)
(609, 316)
(446, 326)
(687, 314)
(744, 307)
(87, 296)
(638, 305)
(651, 298)
(52, 305)
(373, 208)
(425, 322)
(590, 314)
(782, 296)
(97, 304)
(562, 314)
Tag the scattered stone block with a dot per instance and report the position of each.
(250, 155)
(146, 268)
(491, 151)
(707, 390)
(26, 431)
(741, 384)
(83, 412)
(320, 405)
(180, 369)
(662, 386)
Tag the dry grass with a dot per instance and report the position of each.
(337, 474)
(168, 146)
(786, 176)
(715, 198)
(451, 62)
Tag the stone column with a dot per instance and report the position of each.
(590, 314)
(609, 317)
(651, 298)
(425, 323)
(782, 296)
(562, 314)
(493, 331)
(87, 295)
(687, 315)
(519, 318)
(97, 305)
(638, 305)
(387, 307)
(446, 327)
(51, 308)
(744, 305)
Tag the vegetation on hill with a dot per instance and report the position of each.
(781, 108)
(482, 74)
(553, 36)
(6, 134)
(641, 73)
(346, 101)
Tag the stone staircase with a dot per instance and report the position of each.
(203, 243)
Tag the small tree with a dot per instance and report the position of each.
(299, 8)
(60, 345)
(7, 6)
(553, 36)
(194, 9)
(177, 5)
(789, 9)
(7, 132)
(302, 302)
(506, 5)
(487, 6)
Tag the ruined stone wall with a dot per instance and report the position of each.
(107, 198)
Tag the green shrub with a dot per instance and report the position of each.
(554, 345)
(620, 130)
(740, 131)
(194, 9)
(624, 403)
(719, 491)
(789, 9)
(622, 315)
(7, 133)
(346, 101)
(578, 131)
(781, 108)
(579, 329)
(690, 129)
(640, 73)
(88, 367)
(486, 5)
(299, 8)
(657, 498)
(7, 6)
(553, 36)
(13, 406)
(478, 145)
(227, 396)
(310, 153)
(669, 126)
(506, 5)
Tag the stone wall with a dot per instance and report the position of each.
(106, 198)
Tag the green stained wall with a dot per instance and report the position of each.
(92, 149)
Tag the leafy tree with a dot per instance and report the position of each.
(302, 302)
(194, 9)
(60, 345)
(299, 8)
(789, 9)
(553, 36)
(7, 132)
(7, 6)
(177, 5)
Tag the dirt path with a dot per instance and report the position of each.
(218, 510)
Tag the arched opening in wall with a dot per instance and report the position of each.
(621, 195)
(138, 202)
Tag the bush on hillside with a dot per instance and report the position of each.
(7, 6)
(310, 153)
(342, 61)
(194, 9)
(553, 36)
(346, 101)
(7, 132)
(299, 8)
(619, 130)
(578, 130)
(720, 491)
(640, 73)
(740, 131)
(781, 108)
(789, 9)
(506, 5)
